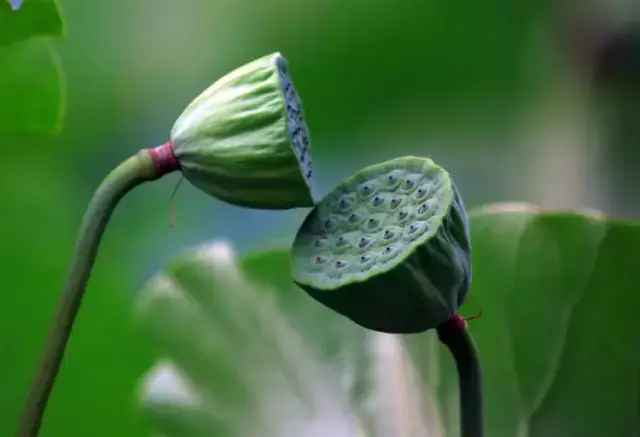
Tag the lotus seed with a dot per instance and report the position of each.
(372, 223)
(377, 201)
(329, 224)
(402, 214)
(344, 204)
(413, 228)
(320, 242)
(395, 202)
(354, 218)
(320, 259)
(366, 190)
(408, 184)
(423, 208)
(341, 241)
(421, 193)
(340, 264)
(364, 241)
(388, 234)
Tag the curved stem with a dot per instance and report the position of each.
(147, 165)
(456, 336)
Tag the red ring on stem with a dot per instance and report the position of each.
(164, 159)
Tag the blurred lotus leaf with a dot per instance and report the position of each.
(251, 358)
(243, 352)
(31, 83)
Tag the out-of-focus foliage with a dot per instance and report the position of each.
(558, 342)
(487, 90)
(558, 338)
(31, 84)
(34, 18)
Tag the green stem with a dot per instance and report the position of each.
(456, 336)
(134, 171)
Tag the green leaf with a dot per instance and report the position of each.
(34, 18)
(559, 336)
(558, 342)
(31, 88)
(31, 83)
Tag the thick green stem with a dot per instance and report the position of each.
(134, 171)
(456, 336)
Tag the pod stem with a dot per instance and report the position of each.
(455, 335)
(146, 165)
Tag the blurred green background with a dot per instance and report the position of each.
(520, 100)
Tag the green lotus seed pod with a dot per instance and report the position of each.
(245, 140)
(389, 247)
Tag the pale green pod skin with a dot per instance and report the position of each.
(389, 247)
(245, 141)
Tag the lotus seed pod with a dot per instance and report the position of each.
(245, 140)
(389, 247)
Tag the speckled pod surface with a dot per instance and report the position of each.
(245, 141)
(389, 247)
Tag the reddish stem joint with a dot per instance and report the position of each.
(164, 159)
(453, 326)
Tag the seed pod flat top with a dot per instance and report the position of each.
(245, 141)
(388, 247)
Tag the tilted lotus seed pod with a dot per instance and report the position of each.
(389, 247)
(245, 141)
